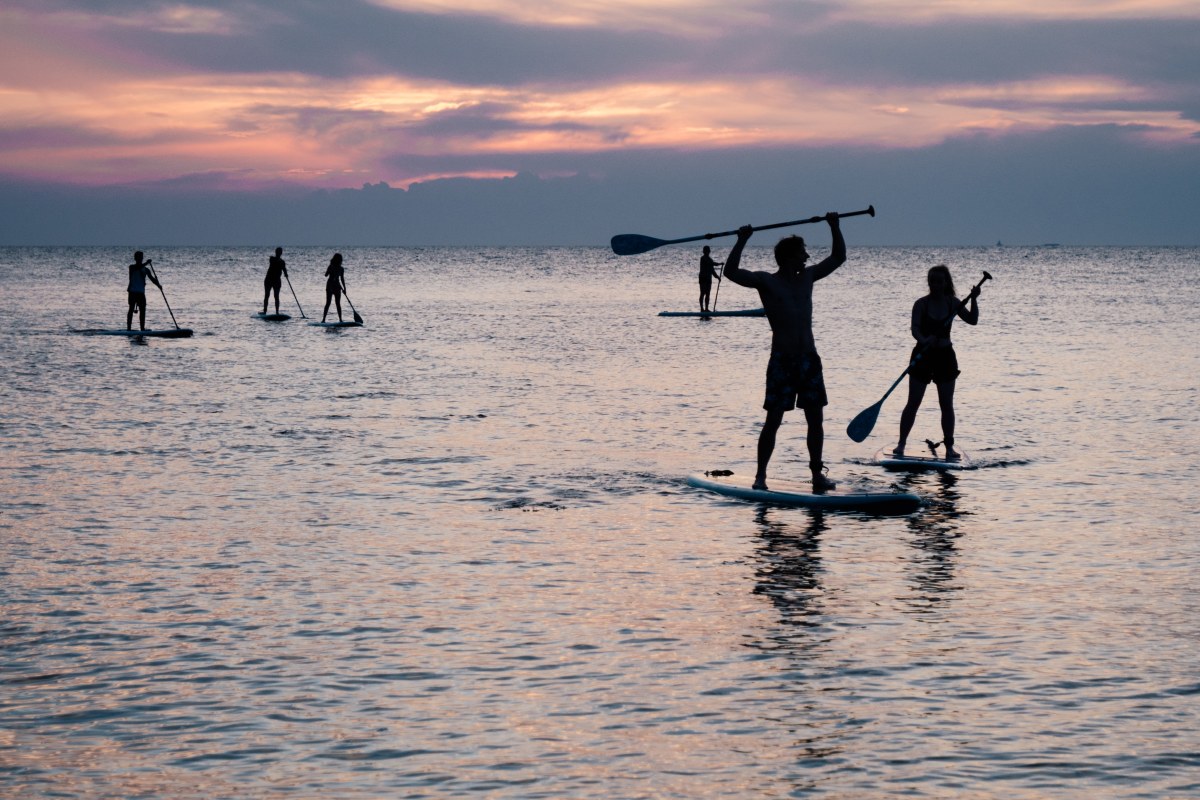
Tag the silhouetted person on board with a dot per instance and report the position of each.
(932, 316)
(139, 271)
(707, 273)
(794, 377)
(276, 269)
(335, 284)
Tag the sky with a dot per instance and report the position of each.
(563, 122)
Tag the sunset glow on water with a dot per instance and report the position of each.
(452, 552)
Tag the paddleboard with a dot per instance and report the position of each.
(794, 493)
(919, 463)
(741, 312)
(273, 317)
(336, 324)
(165, 333)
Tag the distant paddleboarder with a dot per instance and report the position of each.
(794, 376)
(335, 284)
(276, 270)
(707, 273)
(139, 271)
(933, 358)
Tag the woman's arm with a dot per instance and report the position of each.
(969, 311)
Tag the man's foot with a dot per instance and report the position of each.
(898, 451)
(820, 483)
(953, 455)
(760, 485)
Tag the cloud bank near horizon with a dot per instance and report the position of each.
(1074, 186)
(258, 105)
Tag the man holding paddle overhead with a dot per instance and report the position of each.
(794, 377)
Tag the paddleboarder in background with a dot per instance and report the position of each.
(335, 284)
(707, 273)
(933, 357)
(794, 377)
(276, 269)
(139, 271)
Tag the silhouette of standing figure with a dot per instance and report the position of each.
(138, 273)
(933, 358)
(335, 284)
(707, 273)
(794, 375)
(276, 269)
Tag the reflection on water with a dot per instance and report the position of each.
(935, 533)
(788, 572)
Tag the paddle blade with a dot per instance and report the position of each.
(860, 427)
(630, 244)
(357, 318)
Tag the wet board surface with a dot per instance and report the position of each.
(273, 317)
(336, 324)
(744, 312)
(916, 462)
(164, 333)
(796, 493)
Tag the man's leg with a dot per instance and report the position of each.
(766, 446)
(815, 417)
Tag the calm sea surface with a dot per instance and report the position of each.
(452, 553)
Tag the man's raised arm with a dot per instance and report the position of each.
(733, 269)
(837, 256)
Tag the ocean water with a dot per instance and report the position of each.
(452, 553)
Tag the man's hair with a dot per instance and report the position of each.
(788, 248)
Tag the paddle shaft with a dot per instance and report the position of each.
(357, 318)
(868, 210)
(628, 244)
(297, 299)
(164, 295)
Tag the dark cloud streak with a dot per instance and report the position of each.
(1075, 186)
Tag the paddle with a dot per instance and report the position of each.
(860, 427)
(718, 292)
(289, 280)
(357, 318)
(164, 294)
(630, 244)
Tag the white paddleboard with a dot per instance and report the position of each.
(273, 317)
(795, 493)
(336, 324)
(918, 463)
(165, 333)
(743, 312)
